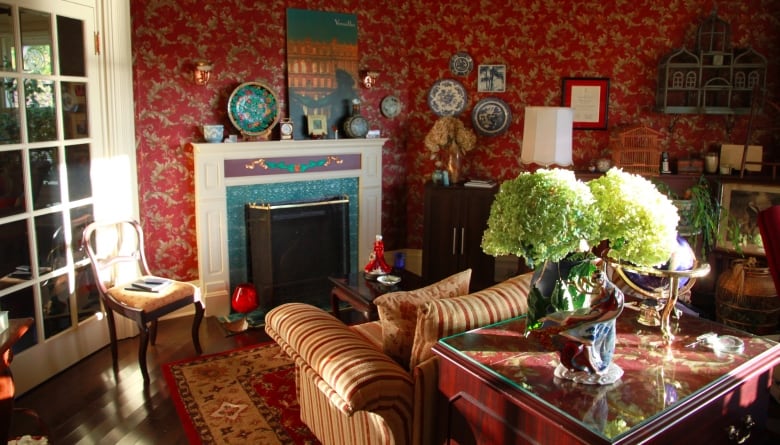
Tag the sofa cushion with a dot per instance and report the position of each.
(441, 318)
(398, 312)
(372, 331)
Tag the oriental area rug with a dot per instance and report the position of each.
(243, 396)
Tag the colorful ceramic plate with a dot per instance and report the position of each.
(253, 108)
(461, 64)
(491, 116)
(447, 97)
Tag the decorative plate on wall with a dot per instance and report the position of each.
(461, 64)
(253, 109)
(390, 106)
(447, 97)
(491, 116)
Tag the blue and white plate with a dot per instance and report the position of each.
(461, 64)
(447, 97)
(491, 116)
(253, 108)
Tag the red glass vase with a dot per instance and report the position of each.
(244, 298)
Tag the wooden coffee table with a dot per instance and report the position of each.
(359, 292)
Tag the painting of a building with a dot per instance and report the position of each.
(322, 60)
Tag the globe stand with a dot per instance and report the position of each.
(667, 298)
(648, 312)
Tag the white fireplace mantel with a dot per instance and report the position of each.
(211, 207)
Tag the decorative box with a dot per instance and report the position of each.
(690, 166)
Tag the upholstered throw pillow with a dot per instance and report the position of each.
(398, 312)
(442, 318)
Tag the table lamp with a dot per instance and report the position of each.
(547, 136)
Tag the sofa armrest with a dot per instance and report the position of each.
(355, 375)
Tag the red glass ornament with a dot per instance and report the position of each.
(244, 298)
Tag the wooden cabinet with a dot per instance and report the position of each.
(455, 218)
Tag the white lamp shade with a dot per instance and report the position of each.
(547, 136)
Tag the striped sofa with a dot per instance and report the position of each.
(351, 392)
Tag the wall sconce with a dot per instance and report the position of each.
(202, 72)
(547, 136)
(369, 78)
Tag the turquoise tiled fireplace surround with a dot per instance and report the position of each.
(238, 196)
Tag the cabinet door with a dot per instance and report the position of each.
(473, 219)
(455, 219)
(441, 233)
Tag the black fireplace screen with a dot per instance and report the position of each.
(293, 248)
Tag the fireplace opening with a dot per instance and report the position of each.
(293, 247)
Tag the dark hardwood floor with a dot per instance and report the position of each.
(85, 404)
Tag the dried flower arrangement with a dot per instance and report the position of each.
(450, 133)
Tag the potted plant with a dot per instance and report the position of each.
(701, 214)
(550, 215)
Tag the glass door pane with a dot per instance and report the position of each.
(74, 110)
(11, 183)
(36, 32)
(9, 111)
(44, 177)
(70, 39)
(9, 99)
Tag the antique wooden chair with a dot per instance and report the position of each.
(116, 251)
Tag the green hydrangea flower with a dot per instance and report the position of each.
(541, 216)
(638, 220)
(549, 214)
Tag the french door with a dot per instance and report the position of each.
(51, 118)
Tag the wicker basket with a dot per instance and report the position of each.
(746, 298)
(636, 149)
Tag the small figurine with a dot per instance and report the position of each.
(376, 259)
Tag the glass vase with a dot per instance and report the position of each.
(455, 165)
(244, 298)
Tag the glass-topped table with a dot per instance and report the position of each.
(666, 392)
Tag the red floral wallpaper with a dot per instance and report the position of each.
(410, 42)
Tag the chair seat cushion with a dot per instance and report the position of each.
(151, 301)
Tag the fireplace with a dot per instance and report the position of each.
(294, 247)
(222, 170)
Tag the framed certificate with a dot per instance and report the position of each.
(589, 97)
